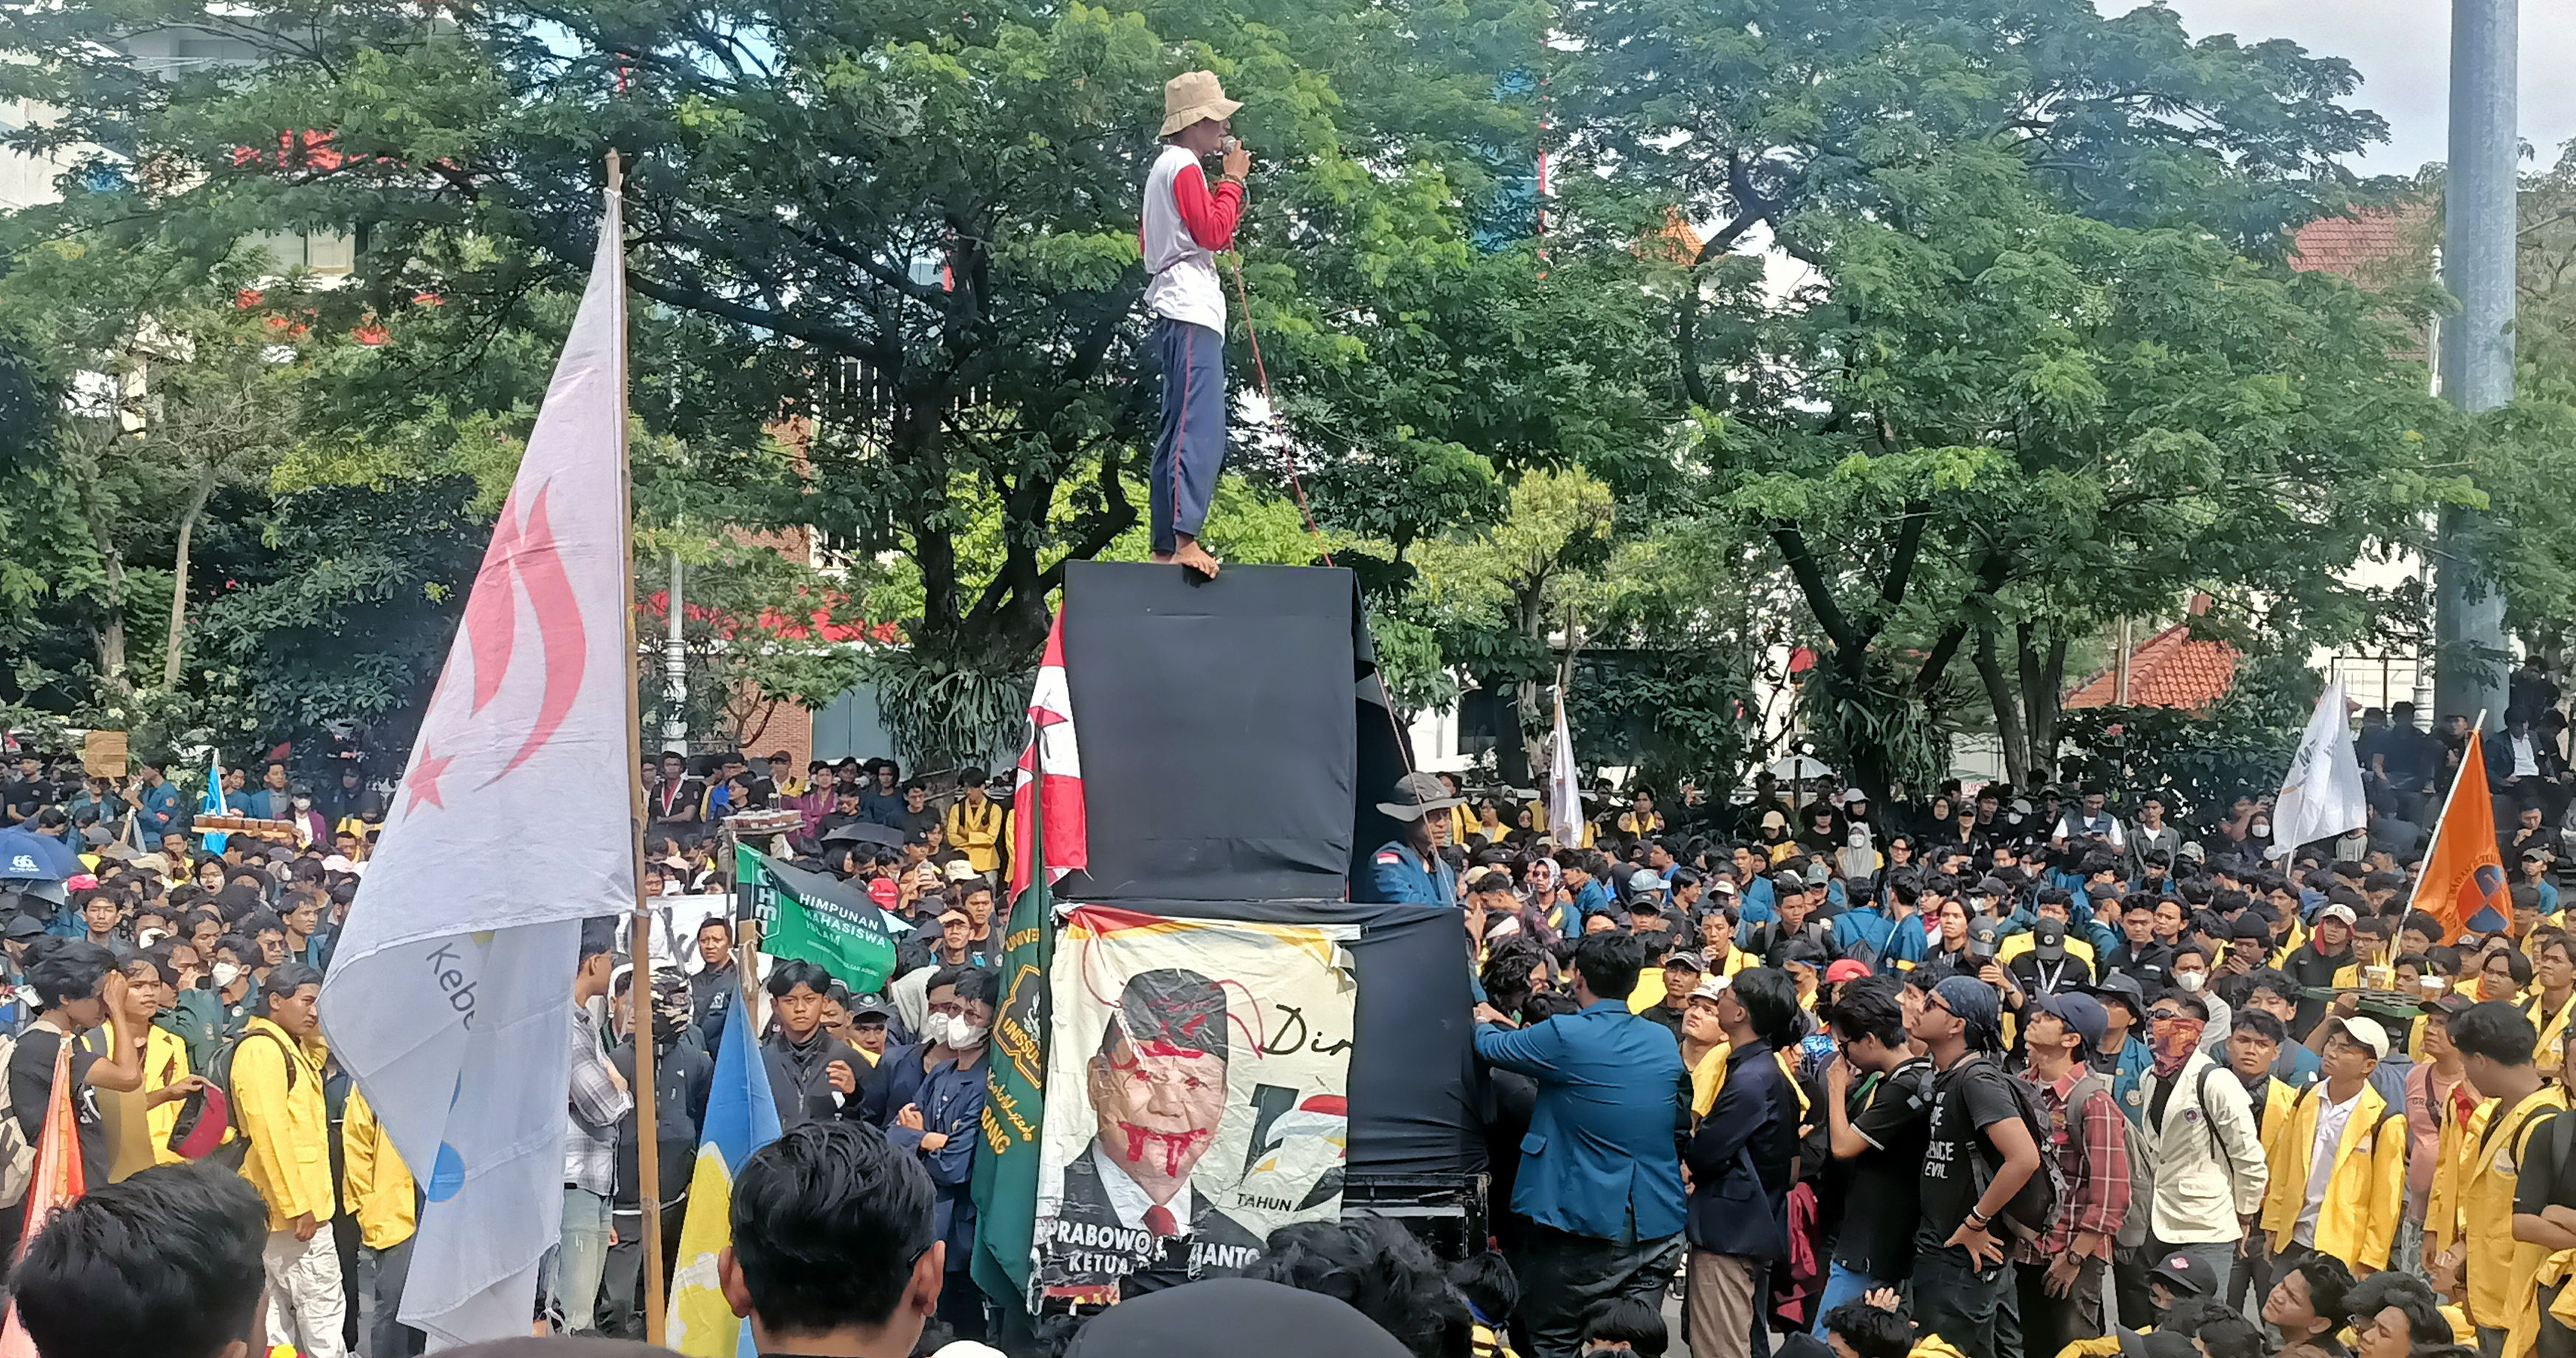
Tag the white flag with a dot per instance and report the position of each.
(2321, 796)
(1564, 799)
(450, 996)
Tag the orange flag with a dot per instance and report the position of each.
(2463, 884)
(56, 1183)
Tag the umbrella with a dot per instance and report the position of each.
(1799, 768)
(865, 832)
(28, 856)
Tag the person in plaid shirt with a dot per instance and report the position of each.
(2060, 1272)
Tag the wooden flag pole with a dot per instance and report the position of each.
(639, 933)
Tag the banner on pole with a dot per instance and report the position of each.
(808, 916)
(1199, 1095)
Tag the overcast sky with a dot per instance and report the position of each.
(2402, 49)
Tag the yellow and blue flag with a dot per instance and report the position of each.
(741, 1118)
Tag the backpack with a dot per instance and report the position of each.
(219, 1073)
(2133, 1225)
(17, 1157)
(2034, 1205)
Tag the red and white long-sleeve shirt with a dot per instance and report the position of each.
(1185, 225)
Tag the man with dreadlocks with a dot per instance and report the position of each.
(1157, 1087)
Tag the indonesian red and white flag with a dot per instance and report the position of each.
(1052, 746)
(56, 1183)
(450, 996)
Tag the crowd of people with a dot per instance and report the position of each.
(1993, 1073)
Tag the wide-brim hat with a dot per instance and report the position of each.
(1194, 97)
(1416, 794)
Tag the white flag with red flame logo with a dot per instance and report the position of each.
(1052, 747)
(450, 995)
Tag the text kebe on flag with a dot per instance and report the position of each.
(2463, 884)
(450, 997)
(808, 916)
(2321, 795)
(741, 1118)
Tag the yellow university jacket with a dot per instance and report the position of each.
(2544, 1057)
(165, 1063)
(374, 1181)
(975, 833)
(290, 1132)
(2366, 1196)
(2482, 1175)
(2274, 1117)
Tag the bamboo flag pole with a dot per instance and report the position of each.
(639, 934)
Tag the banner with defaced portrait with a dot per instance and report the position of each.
(1195, 1094)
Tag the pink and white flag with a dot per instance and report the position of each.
(450, 996)
(1068, 833)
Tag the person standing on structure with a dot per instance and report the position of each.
(1185, 225)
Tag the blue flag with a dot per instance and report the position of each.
(741, 1118)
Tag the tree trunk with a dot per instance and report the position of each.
(179, 577)
(1999, 693)
(2043, 667)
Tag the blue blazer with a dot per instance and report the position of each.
(1601, 1157)
(1740, 1159)
(1401, 878)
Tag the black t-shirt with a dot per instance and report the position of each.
(1966, 1099)
(1882, 1185)
(2548, 1170)
(31, 1092)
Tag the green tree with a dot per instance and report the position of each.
(2025, 231)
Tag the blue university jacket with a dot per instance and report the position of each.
(1600, 1158)
(1402, 879)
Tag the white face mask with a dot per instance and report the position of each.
(303, 803)
(224, 974)
(2190, 981)
(954, 1032)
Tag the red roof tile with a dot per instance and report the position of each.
(2362, 246)
(2170, 670)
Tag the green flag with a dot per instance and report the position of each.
(808, 916)
(1006, 1174)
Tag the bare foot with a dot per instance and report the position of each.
(1196, 557)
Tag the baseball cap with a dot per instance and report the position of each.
(870, 1008)
(1723, 884)
(1848, 969)
(2078, 1011)
(2338, 911)
(884, 892)
(960, 870)
(1490, 879)
(2048, 939)
(2121, 988)
(1773, 820)
(2368, 1033)
(22, 928)
(1691, 960)
(1803, 952)
(1853, 794)
(1645, 880)
(1710, 987)
(2184, 1273)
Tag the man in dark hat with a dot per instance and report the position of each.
(1157, 1089)
(1409, 871)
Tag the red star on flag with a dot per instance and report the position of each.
(423, 783)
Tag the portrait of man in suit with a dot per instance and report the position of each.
(1157, 1089)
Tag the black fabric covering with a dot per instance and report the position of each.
(1218, 728)
(1413, 1048)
